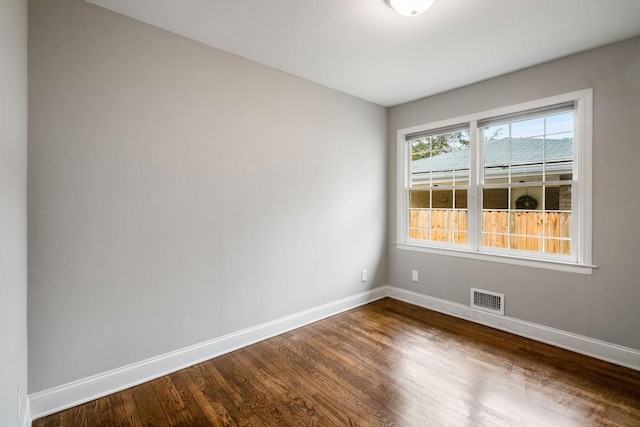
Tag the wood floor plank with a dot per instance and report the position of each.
(125, 413)
(227, 401)
(325, 366)
(383, 364)
(277, 393)
(172, 405)
(273, 410)
(146, 401)
(304, 393)
(192, 400)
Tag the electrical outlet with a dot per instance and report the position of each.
(363, 276)
(414, 275)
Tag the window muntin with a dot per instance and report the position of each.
(555, 170)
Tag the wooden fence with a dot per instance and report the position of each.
(527, 230)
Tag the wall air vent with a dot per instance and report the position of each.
(487, 301)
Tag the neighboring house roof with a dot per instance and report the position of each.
(521, 150)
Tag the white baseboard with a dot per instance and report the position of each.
(602, 350)
(77, 392)
(26, 416)
(81, 391)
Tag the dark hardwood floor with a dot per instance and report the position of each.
(386, 363)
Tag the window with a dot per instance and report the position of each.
(439, 186)
(511, 184)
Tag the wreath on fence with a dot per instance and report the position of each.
(526, 202)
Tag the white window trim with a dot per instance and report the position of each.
(581, 194)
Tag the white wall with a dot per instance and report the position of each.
(178, 193)
(605, 305)
(13, 211)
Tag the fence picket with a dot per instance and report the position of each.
(526, 231)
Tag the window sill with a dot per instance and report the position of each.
(505, 259)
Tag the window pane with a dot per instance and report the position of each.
(460, 237)
(443, 165)
(527, 159)
(557, 224)
(496, 174)
(560, 123)
(420, 224)
(527, 150)
(419, 199)
(526, 230)
(440, 225)
(526, 198)
(460, 159)
(528, 128)
(559, 147)
(495, 198)
(461, 199)
(442, 199)
(495, 228)
(420, 148)
(496, 152)
(497, 155)
(558, 246)
(552, 197)
(496, 132)
(557, 198)
(420, 162)
(564, 198)
(495, 219)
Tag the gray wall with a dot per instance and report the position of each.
(178, 193)
(13, 210)
(605, 305)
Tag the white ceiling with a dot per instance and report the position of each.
(364, 48)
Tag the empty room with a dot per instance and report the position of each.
(319, 212)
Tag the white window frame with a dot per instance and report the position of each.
(581, 262)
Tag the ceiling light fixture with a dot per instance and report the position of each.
(411, 7)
